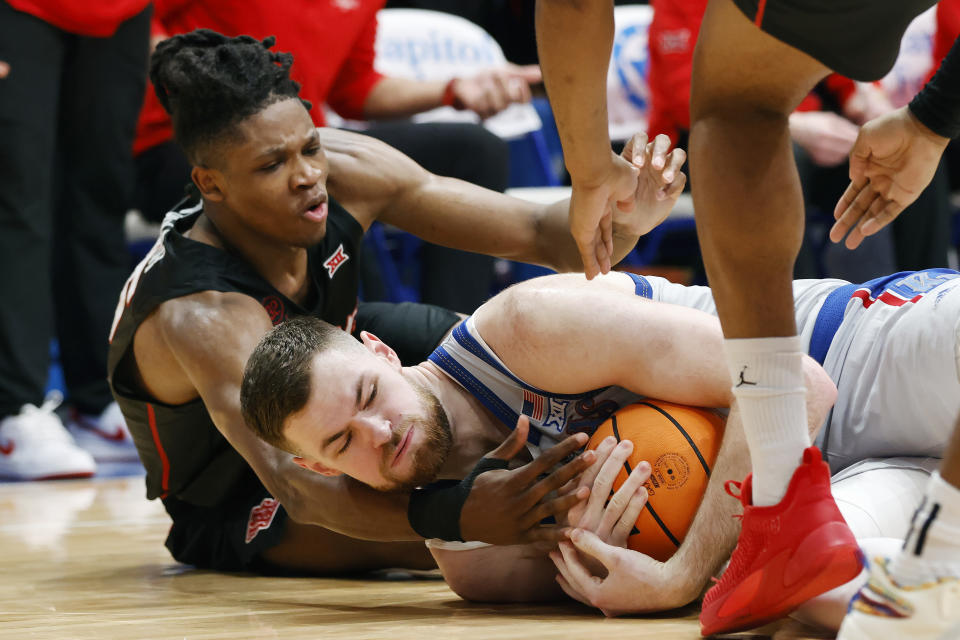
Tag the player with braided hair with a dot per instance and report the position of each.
(282, 212)
(209, 82)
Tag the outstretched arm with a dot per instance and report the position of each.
(375, 182)
(896, 155)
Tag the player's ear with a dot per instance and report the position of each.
(316, 467)
(378, 347)
(208, 182)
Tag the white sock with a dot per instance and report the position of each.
(768, 383)
(932, 547)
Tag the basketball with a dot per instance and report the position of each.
(681, 445)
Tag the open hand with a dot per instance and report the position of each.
(659, 183)
(892, 162)
(507, 506)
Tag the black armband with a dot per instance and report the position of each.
(434, 510)
(937, 105)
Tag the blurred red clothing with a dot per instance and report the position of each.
(98, 19)
(332, 44)
(948, 28)
(671, 38)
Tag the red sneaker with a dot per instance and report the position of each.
(787, 553)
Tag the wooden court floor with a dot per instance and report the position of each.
(85, 559)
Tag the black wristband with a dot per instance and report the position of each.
(434, 510)
(937, 105)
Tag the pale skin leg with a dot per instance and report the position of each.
(746, 189)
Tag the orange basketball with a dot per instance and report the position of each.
(681, 444)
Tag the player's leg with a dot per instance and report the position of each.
(917, 593)
(104, 80)
(33, 442)
(750, 222)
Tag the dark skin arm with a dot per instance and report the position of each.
(198, 345)
(375, 182)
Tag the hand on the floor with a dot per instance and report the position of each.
(507, 506)
(892, 162)
(634, 582)
(659, 183)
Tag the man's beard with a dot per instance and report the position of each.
(433, 451)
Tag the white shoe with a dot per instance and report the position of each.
(34, 445)
(884, 610)
(105, 436)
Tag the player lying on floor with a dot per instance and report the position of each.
(892, 346)
(345, 407)
(855, 344)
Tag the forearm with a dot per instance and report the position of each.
(402, 97)
(557, 248)
(937, 106)
(345, 506)
(515, 573)
(713, 532)
(577, 89)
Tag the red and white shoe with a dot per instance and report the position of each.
(34, 445)
(787, 553)
(105, 436)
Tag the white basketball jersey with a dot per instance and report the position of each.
(893, 351)
(466, 358)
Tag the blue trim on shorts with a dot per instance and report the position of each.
(828, 320)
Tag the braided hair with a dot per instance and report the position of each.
(208, 83)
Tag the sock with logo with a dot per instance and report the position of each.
(932, 548)
(768, 383)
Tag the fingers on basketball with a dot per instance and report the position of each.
(681, 445)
